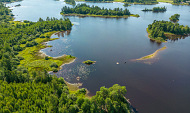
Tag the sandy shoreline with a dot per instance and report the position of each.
(151, 56)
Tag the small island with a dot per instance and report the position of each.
(71, 2)
(17, 5)
(151, 56)
(174, 18)
(156, 9)
(160, 31)
(89, 62)
(84, 10)
(126, 4)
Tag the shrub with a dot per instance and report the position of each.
(26, 21)
(20, 58)
(54, 69)
(54, 65)
(46, 58)
(23, 41)
(89, 62)
(37, 35)
(42, 36)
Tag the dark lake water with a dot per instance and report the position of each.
(161, 85)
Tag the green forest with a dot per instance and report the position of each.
(26, 89)
(159, 30)
(94, 10)
(156, 9)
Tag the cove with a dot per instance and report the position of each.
(160, 87)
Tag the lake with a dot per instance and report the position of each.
(160, 85)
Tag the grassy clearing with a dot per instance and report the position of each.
(33, 60)
(118, 1)
(153, 55)
(16, 22)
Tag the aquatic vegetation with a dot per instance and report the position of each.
(89, 62)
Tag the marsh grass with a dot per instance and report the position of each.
(34, 60)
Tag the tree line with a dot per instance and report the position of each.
(156, 9)
(94, 10)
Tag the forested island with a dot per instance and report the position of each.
(95, 11)
(156, 9)
(26, 86)
(71, 2)
(174, 18)
(160, 31)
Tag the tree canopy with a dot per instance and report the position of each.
(174, 18)
(158, 29)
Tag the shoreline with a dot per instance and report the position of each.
(43, 54)
(157, 41)
(151, 56)
(167, 34)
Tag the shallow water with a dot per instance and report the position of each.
(161, 85)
